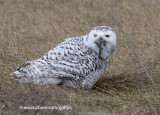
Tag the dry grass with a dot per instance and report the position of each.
(29, 28)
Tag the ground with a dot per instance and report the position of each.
(29, 28)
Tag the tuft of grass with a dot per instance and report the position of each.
(30, 28)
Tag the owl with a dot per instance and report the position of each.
(78, 62)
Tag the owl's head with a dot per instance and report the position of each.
(102, 38)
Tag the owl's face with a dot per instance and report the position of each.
(102, 38)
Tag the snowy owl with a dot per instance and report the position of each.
(77, 62)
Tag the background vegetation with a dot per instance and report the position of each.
(29, 28)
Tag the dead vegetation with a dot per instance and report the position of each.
(28, 29)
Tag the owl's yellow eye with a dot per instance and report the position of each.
(95, 35)
(107, 36)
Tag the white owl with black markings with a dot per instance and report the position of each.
(78, 62)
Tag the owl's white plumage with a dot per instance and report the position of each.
(77, 62)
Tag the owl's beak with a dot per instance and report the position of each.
(99, 42)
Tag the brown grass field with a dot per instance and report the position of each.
(30, 28)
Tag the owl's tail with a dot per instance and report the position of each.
(31, 71)
(22, 71)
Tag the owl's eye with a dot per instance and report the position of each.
(107, 36)
(95, 35)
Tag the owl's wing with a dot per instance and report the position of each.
(71, 59)
(76, 69)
